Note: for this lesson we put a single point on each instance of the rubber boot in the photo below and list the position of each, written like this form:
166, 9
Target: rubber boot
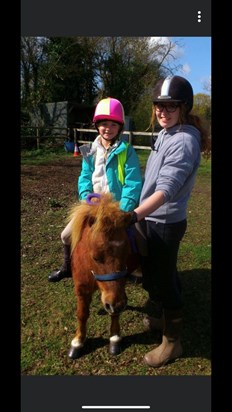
154, 320
65, 269
170, 347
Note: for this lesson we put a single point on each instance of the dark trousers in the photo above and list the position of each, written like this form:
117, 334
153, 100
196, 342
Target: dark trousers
159, 267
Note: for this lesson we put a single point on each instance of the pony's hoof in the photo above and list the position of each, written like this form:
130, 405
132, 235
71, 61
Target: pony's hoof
114, 349
74, 353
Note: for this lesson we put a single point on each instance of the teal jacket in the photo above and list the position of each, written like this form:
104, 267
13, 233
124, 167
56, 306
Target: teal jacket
128, 192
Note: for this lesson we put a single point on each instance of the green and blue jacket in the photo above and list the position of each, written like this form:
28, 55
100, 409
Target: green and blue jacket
120, 173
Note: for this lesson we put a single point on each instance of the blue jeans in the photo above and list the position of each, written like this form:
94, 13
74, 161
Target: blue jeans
159, 267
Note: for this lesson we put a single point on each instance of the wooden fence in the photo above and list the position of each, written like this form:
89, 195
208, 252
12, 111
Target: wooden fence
59, 134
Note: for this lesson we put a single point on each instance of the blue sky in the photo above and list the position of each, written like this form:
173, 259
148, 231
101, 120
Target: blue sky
193, 55
195, 58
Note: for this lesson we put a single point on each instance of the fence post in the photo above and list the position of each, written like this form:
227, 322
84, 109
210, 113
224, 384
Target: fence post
37, 137
130, 137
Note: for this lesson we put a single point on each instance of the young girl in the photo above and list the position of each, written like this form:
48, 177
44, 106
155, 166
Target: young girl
169, 178
109, 165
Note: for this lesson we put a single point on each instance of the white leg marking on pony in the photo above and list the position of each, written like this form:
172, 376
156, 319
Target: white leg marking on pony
76, 343
115, 338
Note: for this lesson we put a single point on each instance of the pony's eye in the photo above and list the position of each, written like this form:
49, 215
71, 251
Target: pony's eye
99, 258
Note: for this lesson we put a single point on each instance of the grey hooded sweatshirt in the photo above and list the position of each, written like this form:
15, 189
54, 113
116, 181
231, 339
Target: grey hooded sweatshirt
172, 168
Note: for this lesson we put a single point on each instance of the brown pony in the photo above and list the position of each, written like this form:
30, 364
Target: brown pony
100, 249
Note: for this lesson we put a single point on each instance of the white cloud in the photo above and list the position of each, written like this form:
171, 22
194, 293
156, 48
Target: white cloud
177, 49
185, 69
160, 40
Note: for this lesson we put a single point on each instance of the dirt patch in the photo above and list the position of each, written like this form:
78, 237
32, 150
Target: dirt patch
56, 180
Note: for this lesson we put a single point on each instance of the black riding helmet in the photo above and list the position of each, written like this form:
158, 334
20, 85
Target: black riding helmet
174, 89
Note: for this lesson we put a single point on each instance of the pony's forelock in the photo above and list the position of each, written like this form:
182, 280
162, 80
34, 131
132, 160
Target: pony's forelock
104, 213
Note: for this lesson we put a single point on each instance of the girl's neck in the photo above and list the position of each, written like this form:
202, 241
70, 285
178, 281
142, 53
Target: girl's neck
106, 143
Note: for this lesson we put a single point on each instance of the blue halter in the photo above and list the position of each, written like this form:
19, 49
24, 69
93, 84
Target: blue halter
110, 276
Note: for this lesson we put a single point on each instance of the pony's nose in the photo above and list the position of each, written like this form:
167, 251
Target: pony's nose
109, 308
114, 309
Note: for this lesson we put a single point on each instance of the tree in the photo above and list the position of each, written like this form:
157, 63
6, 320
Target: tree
123, 69
207, 85
202, 108
71, 69
85, 69
128, 67
32, 60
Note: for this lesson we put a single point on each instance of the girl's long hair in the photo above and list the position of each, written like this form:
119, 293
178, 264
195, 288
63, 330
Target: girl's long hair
193, 120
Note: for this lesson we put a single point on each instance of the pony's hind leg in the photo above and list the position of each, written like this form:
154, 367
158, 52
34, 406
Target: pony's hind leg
115, 338
77, 344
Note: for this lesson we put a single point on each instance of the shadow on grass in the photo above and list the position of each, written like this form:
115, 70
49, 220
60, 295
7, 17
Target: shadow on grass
197, 312
143, 338
196, 338
92, 344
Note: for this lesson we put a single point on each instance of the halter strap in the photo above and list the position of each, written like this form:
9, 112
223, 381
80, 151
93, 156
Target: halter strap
110, 276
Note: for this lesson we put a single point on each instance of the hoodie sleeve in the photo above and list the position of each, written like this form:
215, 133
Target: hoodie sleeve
181, 159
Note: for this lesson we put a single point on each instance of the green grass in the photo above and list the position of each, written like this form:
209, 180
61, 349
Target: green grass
48, 317
43, 156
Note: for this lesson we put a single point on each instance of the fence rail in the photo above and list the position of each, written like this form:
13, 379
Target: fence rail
78, 135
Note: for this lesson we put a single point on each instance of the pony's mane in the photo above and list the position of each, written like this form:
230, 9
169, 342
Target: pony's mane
104, 215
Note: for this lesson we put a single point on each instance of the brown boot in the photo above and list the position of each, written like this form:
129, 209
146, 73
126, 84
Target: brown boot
170, 347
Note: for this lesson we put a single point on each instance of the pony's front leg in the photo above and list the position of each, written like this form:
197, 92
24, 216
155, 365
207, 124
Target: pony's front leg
77, 344
115, 338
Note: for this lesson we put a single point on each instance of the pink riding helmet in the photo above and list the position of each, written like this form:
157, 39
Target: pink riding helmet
109, 109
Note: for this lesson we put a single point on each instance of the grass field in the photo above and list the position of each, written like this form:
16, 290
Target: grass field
48, 317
